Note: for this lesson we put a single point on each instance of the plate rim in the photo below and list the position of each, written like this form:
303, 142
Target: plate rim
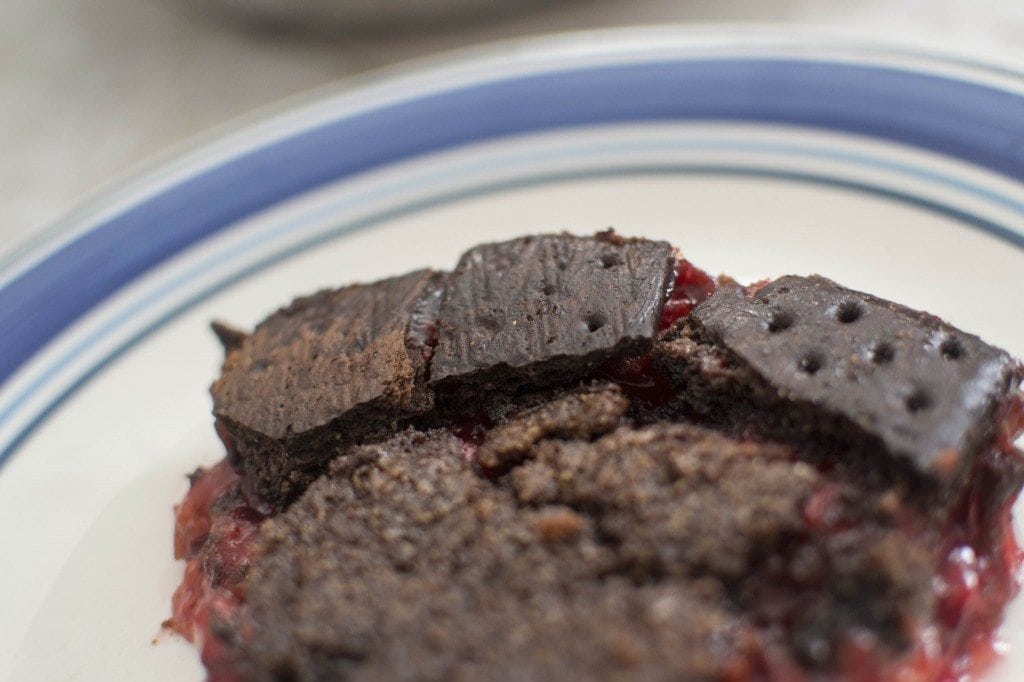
450, 73
256, 127
273, 120
251, 128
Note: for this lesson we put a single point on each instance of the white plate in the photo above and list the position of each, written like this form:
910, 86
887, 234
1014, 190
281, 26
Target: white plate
759, 154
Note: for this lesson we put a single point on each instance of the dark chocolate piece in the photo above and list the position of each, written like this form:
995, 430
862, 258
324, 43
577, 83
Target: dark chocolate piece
805, 358
538, 310
331, 369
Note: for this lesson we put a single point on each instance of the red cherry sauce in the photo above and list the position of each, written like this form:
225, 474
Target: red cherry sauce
215, 531
691, 286
979, 570
472, 431
979, 560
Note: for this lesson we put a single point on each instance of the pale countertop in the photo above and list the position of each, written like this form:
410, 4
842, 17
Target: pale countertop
94, 88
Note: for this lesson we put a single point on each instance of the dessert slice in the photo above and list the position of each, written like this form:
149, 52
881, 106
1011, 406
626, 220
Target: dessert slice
599, 467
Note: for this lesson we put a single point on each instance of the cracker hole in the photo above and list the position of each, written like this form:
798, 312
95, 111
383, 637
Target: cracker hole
883, 353
781, 321
849, 311
594, 322
610, 260
951, 349
810, 363
548, 289
918, 401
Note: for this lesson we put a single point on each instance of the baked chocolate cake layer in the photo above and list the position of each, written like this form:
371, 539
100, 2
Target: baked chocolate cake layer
650, 546
330, 369
405, 564
806, 359
542, 309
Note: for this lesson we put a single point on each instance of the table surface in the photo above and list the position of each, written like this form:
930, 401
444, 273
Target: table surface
96, 88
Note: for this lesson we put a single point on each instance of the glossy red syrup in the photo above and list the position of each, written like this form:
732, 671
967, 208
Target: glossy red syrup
979, 573
980, 569
690, 287
639, 380
472, 432
215, 532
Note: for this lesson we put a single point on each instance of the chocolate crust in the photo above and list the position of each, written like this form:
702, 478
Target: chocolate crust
403, 563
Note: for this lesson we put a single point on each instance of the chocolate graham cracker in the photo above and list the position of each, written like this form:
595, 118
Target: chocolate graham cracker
538, 310
807, 359
330, 369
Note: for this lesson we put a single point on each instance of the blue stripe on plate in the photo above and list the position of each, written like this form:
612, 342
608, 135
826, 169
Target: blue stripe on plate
967, 219
979, 124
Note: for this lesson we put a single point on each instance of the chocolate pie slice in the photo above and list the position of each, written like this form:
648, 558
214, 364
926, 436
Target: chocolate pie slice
584, 458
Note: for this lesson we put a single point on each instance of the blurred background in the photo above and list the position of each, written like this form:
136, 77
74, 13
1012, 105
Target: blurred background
91, 89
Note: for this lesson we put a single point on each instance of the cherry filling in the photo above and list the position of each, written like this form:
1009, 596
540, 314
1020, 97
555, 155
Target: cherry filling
636, 375
215, 532
472, 431
690, 287
978, 567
